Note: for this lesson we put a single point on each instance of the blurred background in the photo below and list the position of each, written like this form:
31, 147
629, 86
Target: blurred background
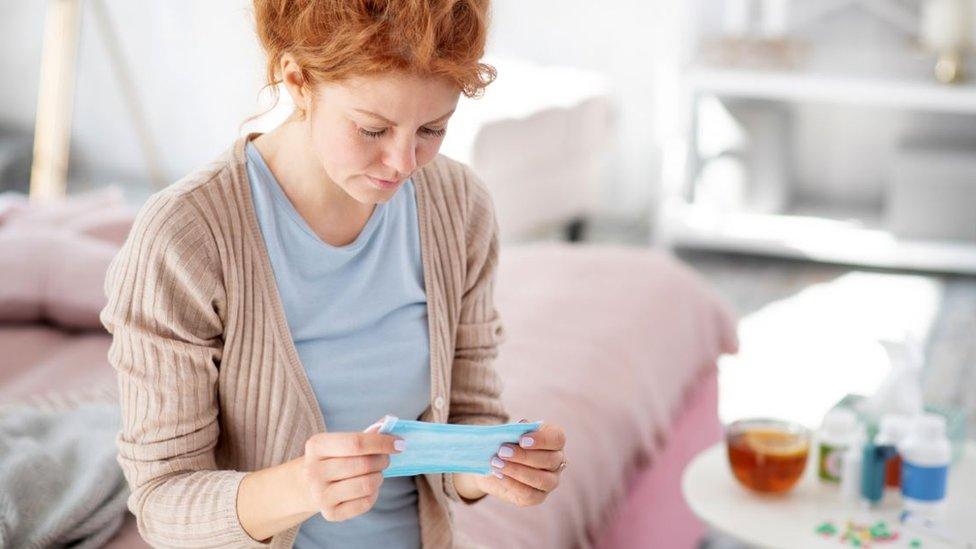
779, 129
813, 160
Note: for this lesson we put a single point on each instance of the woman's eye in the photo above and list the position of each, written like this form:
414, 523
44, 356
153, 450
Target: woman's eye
434, 133
372, 134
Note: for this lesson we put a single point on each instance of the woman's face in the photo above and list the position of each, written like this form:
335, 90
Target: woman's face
371, 133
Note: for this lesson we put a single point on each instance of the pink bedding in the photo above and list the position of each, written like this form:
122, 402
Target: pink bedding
654, 513
616, 345
53, 258
606, 342
39, 359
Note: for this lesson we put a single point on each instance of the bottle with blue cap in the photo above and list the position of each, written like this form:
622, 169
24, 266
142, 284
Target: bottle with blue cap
925, 454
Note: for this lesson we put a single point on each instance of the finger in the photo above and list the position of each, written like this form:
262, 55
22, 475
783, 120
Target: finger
544, 481
326, 445
540, 459
347, 467
547, 437
349, 509
509, 489
353, 488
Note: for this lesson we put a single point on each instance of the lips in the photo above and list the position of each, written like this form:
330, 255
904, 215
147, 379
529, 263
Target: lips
383, 183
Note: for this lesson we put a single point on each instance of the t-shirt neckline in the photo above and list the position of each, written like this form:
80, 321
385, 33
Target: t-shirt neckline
285, 203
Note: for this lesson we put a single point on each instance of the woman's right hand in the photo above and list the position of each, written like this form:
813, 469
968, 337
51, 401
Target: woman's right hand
344, 471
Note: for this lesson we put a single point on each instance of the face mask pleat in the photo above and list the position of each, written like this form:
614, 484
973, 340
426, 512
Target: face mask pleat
448, 447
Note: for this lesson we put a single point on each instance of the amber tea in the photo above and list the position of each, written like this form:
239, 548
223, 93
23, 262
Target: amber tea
767, 455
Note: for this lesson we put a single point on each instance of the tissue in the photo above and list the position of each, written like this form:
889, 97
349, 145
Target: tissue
901, 390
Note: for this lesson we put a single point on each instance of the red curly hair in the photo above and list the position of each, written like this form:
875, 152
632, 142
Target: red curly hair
336, 39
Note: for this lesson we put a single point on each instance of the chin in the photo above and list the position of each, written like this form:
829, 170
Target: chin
366, 194
375, 192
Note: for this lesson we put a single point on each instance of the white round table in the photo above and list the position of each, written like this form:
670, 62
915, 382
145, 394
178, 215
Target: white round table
790, 520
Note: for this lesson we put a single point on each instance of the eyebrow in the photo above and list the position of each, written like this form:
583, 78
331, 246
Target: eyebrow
390, 122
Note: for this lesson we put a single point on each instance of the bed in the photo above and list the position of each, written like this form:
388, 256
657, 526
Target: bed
617, 345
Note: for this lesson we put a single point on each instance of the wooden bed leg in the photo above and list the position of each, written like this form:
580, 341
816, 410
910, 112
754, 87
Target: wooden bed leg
52, 125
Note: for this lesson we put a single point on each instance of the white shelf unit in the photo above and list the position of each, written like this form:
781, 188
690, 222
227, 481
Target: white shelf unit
812, 86
820, 235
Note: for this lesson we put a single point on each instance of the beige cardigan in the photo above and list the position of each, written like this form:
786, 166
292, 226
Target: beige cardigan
210, 383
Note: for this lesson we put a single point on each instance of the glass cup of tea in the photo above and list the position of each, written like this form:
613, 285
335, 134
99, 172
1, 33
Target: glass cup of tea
767, 455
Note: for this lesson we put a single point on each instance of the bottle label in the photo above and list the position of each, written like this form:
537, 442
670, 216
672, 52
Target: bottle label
923, 483
830, 462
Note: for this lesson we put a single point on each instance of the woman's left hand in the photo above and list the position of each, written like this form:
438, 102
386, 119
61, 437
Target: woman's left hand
526, 473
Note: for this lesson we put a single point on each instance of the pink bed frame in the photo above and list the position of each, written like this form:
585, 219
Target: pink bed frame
655, 513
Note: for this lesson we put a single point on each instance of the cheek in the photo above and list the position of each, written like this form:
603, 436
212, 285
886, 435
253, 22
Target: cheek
342, 149
427, 149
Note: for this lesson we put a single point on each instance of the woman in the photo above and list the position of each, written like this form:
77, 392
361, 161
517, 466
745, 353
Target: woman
325, 273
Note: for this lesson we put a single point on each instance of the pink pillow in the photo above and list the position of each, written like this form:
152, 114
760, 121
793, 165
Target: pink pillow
18, 212
12, 204
53, 275
54, 255
111, 224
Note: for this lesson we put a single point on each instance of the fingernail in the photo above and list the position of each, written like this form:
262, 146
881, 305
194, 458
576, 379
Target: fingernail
400, 445
506, 452
497, 474
497, 462
525, 442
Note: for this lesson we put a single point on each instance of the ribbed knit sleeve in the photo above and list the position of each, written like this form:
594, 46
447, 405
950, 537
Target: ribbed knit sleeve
476, 387
165, 294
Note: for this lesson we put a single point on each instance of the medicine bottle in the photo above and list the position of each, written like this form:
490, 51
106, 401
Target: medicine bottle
925, 455
891, 431
836, 433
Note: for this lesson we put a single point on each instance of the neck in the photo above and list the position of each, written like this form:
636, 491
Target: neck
334, 215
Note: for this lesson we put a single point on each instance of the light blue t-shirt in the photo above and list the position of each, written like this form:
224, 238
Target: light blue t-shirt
358, 317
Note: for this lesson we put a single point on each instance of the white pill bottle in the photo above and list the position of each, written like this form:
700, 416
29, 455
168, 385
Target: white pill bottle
925, 455
838, 430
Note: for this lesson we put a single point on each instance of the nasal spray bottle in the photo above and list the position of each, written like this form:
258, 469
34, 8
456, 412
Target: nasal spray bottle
874, 460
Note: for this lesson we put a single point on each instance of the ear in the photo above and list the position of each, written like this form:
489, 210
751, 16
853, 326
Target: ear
291, 75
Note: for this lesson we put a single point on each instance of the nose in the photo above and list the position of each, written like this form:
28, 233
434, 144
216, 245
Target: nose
402, 157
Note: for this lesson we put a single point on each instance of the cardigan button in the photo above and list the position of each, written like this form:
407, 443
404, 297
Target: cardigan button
439, 403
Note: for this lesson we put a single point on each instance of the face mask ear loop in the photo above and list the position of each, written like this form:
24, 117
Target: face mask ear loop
388, 422
382, 425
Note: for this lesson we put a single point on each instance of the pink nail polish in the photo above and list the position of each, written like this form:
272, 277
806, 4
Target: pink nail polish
506, 452
497, 474
525, 442
497, 462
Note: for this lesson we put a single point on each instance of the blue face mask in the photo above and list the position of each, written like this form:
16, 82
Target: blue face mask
448, 448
